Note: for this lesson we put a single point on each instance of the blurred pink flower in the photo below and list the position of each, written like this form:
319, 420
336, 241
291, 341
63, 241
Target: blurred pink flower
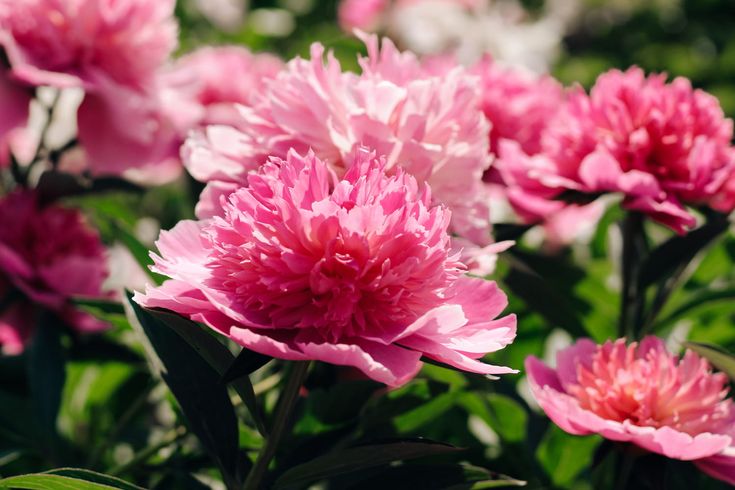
661, 145
15, 100
355, 272
214, 79
75, 43
361, 14
47, 256
643, 394
518, 103
429, 125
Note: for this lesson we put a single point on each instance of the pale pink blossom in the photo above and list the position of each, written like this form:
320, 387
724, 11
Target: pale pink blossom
662, 145
214, 79
429, 125
354, 270
48, 254
643, 394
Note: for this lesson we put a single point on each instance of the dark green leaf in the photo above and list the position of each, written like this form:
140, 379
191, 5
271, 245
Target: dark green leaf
47, 373
105, 306
509, 231
359, 458
679, 251
721, 359
195, 384
544, 297
435, 476
216, 354
246, 362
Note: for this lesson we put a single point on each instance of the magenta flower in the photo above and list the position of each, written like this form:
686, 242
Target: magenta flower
75, 43
47, 256
430, 125
663, 146
643, 394
356, 272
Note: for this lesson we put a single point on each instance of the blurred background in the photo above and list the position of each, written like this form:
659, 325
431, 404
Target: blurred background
573, 39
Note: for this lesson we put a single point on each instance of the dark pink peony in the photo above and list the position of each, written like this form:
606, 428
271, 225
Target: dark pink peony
643, 394
354, 271
75, 43
662, 145
47, 255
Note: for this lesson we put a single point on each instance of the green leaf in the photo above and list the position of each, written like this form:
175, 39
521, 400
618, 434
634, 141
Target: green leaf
47, 373
678, 251
47, 481
359, 458
216, 354
452, 476
504, 415
425, 413
94, 477
196, 386
720, 358
564, 456
247, 362
530, 279
140, 252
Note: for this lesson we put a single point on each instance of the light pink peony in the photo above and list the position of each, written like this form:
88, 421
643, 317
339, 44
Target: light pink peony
215, 79
428, 124
663, 146
65, 43
355, 272
643, 394
47, 255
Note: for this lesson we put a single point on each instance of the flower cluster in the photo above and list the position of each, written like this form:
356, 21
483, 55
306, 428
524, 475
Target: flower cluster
48, 255
643, 394
354, 270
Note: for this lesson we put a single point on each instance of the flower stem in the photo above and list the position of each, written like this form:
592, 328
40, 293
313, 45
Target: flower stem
284, 408
634, 251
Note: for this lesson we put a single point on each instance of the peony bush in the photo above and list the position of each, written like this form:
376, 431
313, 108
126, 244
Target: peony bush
363, 244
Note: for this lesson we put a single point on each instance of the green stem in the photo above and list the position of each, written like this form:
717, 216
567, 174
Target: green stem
284, 408
625, 469
634, 250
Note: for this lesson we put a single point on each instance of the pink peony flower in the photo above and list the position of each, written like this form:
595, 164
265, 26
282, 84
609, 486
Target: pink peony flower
75, 43
518, 103
355, 272
215, 79
661, 145
361, 14
47, 255
643, 394
430, 125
